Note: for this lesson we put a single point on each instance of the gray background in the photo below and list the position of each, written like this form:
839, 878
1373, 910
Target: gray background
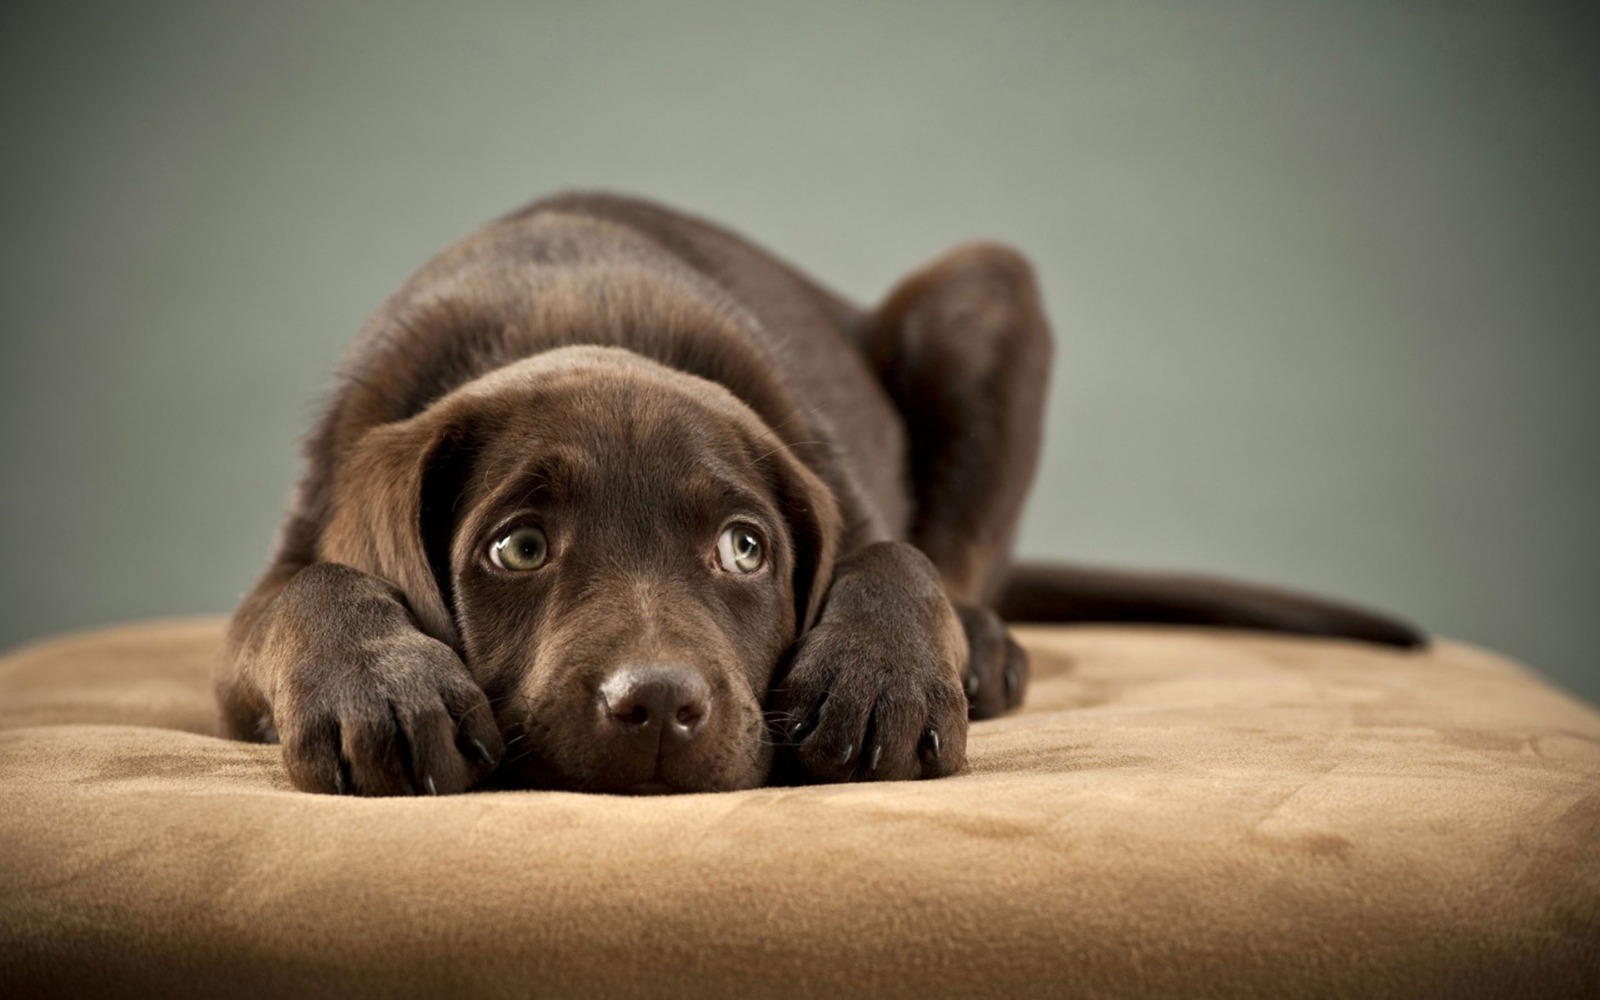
1324, 276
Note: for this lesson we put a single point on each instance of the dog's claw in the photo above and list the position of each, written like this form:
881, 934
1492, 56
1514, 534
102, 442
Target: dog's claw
338, 781
930, 745
872, 760
428, 780
483, 753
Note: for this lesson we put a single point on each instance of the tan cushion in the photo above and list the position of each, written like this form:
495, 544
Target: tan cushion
1175, 812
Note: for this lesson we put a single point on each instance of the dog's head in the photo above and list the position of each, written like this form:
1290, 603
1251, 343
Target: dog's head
623, 554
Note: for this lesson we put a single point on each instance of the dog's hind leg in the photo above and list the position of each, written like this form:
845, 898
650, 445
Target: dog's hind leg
963, 348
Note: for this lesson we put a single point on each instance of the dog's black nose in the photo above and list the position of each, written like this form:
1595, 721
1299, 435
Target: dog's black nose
657, 704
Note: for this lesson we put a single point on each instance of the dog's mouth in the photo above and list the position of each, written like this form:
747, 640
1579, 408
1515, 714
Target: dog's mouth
662, 781
655, 786
533, 766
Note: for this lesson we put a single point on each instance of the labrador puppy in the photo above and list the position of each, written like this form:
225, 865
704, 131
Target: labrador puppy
608, 499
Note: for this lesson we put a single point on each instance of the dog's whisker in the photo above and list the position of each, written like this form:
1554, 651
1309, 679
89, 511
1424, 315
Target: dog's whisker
788, 445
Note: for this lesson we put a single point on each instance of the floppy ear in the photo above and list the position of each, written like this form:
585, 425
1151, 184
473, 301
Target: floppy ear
393, 510
808, 506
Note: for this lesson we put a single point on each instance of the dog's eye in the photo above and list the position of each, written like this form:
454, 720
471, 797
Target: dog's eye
739, 550
520, 549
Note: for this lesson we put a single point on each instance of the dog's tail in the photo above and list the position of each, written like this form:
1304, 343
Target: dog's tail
1038, 593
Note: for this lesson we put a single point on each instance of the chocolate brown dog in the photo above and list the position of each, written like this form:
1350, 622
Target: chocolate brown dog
609, 499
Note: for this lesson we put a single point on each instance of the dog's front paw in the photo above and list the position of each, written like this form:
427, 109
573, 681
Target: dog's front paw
874, 691
997, 667
396, 715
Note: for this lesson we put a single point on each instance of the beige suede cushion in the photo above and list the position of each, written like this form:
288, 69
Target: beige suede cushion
1175, 812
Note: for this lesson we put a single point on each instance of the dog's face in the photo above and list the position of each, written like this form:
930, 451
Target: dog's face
623, 553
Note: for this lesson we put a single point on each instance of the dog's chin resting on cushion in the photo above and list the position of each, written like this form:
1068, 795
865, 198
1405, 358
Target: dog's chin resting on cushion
608, 499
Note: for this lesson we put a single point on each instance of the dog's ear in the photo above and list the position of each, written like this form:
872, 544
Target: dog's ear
814, 525
394, 509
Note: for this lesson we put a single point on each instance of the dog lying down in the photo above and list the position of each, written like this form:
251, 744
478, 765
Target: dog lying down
608, 499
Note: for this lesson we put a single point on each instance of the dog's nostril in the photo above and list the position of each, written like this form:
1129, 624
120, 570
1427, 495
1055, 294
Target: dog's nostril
657, 702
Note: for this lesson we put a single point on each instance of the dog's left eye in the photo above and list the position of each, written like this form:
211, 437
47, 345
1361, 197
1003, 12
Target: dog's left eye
739, 550
520, 549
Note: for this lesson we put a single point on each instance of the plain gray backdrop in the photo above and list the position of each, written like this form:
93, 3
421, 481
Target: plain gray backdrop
1325, 277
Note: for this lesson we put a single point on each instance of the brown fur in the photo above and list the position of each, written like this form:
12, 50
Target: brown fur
633, 382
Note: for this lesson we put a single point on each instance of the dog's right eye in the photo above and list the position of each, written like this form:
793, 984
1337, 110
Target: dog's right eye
520, 549
739, 550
